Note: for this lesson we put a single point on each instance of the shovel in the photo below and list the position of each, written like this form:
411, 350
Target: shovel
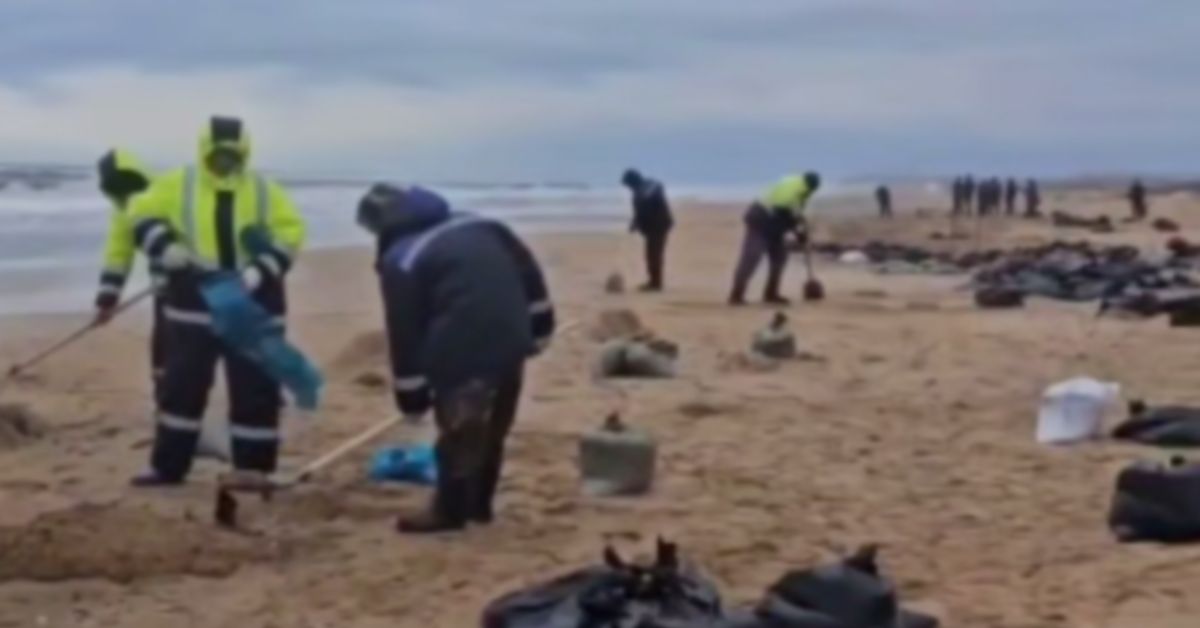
18, 369
814, 290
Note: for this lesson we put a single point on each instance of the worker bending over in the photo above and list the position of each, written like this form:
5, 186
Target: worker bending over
651, 218
466, 305
121, 178
196, 221
768, 221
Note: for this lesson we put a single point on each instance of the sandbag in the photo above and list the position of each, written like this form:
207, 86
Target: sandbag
617, 594
1156, 502
653, 358
1164, 426
775, 341
850, 593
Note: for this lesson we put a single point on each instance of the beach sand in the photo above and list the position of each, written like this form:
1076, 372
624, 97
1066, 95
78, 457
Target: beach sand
913, 430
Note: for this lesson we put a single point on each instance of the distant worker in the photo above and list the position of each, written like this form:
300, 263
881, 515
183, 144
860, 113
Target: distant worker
121, 178
768, 222
198, 220
956, 196
466, 305
1137, 200
968, 193
1033, 199
883, 196
1010, 197
652, 218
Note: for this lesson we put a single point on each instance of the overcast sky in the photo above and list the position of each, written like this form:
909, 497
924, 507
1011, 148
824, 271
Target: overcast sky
696, 90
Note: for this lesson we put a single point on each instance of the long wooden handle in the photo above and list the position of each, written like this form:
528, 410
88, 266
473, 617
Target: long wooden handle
76, 335
350, 445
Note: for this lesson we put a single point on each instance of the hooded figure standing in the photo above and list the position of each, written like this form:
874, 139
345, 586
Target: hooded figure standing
466, 305
768, 221
123, 177
1137, 200
198, 220
883, 196
652, 218
1033, 199
1010, 197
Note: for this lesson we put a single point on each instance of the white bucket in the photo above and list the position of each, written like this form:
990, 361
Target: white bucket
1073, 410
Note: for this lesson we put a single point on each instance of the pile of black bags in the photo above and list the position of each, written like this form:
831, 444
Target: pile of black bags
669, 593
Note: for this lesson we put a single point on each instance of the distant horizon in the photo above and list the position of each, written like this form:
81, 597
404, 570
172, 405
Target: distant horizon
334, 177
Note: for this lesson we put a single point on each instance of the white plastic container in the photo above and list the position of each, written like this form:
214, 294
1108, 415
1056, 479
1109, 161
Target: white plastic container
1073, 411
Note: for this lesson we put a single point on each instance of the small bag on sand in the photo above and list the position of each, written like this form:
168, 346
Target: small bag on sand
638, 358
1156, 502
617, 460
776, 340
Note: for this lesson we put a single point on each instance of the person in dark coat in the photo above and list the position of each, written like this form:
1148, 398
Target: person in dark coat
466, 305
652, 218
1010, 197
883, 196
956, 196
1137, 200
968, 193
1033, 199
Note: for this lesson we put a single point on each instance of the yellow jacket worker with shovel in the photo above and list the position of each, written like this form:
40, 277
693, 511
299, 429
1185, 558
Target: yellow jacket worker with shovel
768, 220
198, 219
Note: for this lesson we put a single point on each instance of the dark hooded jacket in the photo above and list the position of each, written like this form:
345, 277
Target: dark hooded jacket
651, 211
464, 297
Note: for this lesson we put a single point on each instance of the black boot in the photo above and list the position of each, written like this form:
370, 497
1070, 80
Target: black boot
153, 479
448, 513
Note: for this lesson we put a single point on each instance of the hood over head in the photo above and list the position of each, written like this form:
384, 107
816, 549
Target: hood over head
224, 133
389, 209
121, 175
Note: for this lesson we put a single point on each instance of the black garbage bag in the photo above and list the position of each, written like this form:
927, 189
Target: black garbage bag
995, 297
666, 594
850, 593
1164, 426
1156, 502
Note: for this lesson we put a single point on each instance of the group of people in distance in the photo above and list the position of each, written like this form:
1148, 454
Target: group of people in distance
993, 196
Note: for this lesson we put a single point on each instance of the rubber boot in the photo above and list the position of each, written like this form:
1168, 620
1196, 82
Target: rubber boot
448, 512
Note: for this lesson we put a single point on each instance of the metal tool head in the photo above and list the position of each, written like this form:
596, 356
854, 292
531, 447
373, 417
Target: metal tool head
248, 482
814, 290
225, 509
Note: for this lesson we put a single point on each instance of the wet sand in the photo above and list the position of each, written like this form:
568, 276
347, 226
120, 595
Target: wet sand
915, 431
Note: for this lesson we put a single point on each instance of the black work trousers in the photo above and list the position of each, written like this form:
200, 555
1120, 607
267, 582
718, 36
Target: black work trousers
158, 349
656, 254
756, 244
473, 420
254, 400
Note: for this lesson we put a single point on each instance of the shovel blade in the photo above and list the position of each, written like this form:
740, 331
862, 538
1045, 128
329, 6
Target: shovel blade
247, 482
813, 290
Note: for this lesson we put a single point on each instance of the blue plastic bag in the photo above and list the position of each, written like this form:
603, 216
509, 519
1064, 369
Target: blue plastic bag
246, 327
415, 464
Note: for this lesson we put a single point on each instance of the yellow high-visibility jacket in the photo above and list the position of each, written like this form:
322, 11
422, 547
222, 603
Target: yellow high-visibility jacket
210, 215
790, 194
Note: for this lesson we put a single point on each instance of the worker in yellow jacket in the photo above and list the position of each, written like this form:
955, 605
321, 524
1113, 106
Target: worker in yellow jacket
123, 177
768, 222
193, 221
